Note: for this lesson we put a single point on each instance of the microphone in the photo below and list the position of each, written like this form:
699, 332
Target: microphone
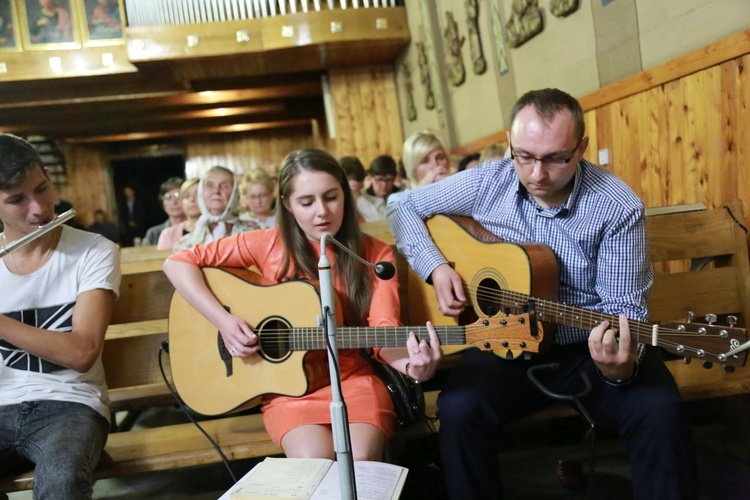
383, 269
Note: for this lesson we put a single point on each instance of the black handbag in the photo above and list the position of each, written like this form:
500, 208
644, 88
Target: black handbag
407, 394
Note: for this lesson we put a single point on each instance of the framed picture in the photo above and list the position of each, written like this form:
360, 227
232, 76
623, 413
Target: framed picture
49, 24
8, 27
103, 22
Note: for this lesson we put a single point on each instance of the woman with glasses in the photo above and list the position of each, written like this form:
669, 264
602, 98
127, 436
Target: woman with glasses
188, 195
169, 195
256, 198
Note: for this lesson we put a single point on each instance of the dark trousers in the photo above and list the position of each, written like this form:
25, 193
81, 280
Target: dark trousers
485, 392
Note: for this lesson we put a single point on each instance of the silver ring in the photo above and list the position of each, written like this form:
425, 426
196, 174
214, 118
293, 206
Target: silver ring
234, 350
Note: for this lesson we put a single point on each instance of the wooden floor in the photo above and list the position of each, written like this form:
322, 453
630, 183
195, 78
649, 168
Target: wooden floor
528, 464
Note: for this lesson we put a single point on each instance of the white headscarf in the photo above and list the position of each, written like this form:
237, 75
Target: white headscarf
202, 232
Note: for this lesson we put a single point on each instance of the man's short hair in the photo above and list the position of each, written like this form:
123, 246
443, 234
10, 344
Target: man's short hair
169, 185
549, 102
383, 165
17, 158
353, 168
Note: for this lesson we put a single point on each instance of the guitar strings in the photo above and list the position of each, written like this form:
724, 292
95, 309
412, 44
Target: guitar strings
517, 301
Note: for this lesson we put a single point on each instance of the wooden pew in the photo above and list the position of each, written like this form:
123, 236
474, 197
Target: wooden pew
715, 238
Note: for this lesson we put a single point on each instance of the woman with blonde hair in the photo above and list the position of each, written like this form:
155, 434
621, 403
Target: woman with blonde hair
256, 197
425, 159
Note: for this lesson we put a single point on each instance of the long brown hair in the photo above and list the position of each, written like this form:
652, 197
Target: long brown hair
299, 252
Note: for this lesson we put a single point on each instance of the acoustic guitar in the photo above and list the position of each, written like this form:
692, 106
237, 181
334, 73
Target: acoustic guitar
505, 278
284, 316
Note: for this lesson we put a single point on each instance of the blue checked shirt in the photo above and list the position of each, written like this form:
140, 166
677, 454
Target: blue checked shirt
598, 236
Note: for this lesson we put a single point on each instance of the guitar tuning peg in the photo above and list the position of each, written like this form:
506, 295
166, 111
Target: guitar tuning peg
728, 369
687, 360
690, 316
710, 319
707, 365
732, 320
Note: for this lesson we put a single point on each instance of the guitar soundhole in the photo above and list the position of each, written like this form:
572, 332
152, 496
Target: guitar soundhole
275, 344
488, 297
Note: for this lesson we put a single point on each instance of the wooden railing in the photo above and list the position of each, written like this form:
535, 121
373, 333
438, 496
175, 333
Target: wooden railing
170, 12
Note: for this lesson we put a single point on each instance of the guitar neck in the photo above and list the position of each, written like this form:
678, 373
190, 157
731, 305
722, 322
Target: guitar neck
355, 337
561, 314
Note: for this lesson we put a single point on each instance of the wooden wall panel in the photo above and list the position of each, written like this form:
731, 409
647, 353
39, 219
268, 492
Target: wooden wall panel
677, 133
245, 151
683, 141
366, 113
89, 184
742, 131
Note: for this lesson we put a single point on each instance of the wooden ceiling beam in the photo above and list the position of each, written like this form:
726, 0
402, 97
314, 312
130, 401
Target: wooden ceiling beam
138, 136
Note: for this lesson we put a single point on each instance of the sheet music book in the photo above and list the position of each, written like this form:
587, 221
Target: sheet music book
316, 479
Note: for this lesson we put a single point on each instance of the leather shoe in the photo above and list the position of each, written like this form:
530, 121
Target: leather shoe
570, 474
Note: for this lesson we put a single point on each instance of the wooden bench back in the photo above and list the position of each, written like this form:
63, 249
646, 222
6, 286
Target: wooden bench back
138, 327
701, 265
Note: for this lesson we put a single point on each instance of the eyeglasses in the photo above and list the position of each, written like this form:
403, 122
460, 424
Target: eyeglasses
384, 180
259, 196
171, 196
553, 162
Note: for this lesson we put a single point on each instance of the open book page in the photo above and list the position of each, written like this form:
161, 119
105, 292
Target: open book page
282, 478
375, 481
317, 479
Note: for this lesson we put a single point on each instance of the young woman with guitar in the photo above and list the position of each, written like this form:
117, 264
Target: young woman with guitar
314, 198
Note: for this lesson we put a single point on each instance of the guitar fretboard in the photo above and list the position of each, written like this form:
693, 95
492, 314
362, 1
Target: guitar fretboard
314, 338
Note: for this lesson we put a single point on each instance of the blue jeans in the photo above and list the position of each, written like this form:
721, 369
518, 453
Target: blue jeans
64, 440
485, 392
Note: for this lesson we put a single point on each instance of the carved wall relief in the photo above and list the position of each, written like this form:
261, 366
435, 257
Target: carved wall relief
411, 110
454, 60
424, 74
563, 8
479, 65
524, 23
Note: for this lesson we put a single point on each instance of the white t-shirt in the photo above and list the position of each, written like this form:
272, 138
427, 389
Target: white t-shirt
46, 299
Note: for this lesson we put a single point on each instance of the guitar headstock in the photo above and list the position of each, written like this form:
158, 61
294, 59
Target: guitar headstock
509, 336
704, 342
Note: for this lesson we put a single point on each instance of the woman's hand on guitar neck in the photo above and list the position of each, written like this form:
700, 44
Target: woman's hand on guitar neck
449, 290
614, 357
238, 337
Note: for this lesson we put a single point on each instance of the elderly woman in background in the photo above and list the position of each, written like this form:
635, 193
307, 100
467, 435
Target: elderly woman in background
256, 196
169, 195
189, 200
218, 201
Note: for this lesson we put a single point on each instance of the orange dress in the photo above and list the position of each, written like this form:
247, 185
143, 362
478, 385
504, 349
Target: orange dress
367, 399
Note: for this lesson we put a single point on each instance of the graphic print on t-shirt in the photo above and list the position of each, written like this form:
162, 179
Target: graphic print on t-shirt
58, 318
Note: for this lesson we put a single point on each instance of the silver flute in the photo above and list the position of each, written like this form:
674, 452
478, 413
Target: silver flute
43, 229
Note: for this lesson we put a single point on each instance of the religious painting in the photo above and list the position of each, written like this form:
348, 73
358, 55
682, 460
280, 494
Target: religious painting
48, 24
104, 22
8, 23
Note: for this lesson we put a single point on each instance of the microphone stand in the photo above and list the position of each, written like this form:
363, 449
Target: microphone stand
339, 420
